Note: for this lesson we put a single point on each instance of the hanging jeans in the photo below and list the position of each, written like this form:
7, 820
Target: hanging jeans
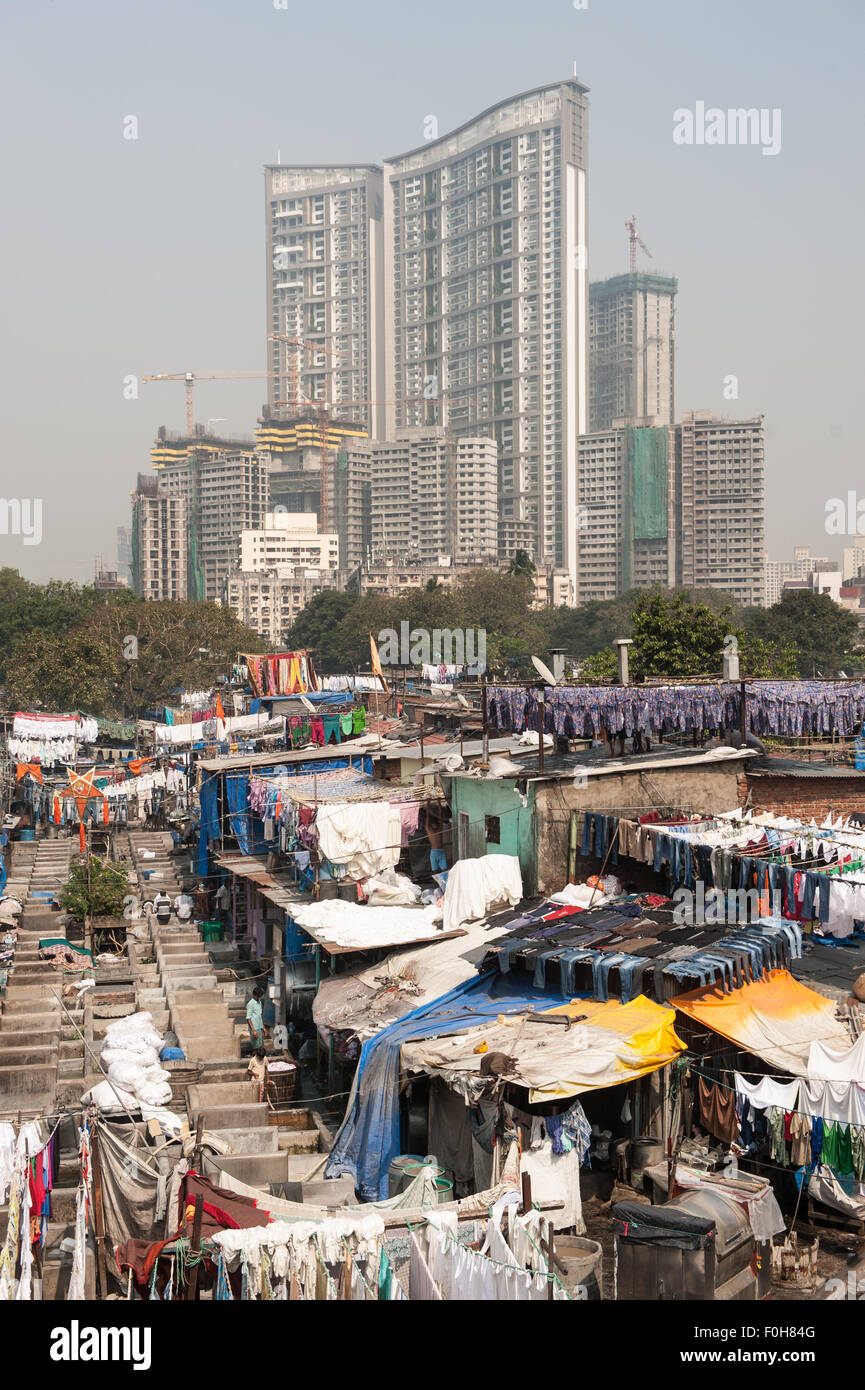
567, 961
809, 893
601, 967
631, 975
694, 969
510, 949
723, 964
755, 953
824, 888
539, 978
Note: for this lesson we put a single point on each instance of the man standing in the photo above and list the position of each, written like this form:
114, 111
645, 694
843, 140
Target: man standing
202, 903
254, 1021
435, 830
183, 907
223, 898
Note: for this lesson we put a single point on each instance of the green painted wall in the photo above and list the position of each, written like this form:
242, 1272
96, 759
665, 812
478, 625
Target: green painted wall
480, 798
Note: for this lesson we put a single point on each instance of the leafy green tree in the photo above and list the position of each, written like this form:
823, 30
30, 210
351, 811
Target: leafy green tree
95, 890
601, 668
767, 660
522, 565
498, 603
827, 636
48, 609
678, 638
128, 657
315, 628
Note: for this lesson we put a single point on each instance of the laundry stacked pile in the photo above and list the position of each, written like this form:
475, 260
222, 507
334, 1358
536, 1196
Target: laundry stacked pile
136, 1081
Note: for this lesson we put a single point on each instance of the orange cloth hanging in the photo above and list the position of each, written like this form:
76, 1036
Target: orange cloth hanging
57, 815
295, 679
220, 712
82, 838
105, 810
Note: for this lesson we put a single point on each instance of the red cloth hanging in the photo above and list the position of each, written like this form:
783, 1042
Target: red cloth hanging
82, 838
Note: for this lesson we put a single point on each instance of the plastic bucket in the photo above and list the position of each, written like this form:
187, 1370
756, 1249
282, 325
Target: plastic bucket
444, 1190
643, 1152
583, 1261
396, 1173
28, 835
211, 931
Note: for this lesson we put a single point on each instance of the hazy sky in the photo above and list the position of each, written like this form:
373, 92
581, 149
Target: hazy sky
138, 256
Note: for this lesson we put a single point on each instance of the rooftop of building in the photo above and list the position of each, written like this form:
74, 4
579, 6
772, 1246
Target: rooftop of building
800, 767
596, 762
635, 279
490, 111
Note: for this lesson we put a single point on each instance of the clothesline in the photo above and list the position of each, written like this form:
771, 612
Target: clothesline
707, 1076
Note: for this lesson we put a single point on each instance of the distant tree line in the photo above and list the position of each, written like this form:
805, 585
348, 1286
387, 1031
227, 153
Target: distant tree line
68, 646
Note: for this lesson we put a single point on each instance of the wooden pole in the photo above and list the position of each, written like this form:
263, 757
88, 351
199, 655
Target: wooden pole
551, 1258
195, 1249
98, 1211
743, 713
527, 1192
196, 1152
485, 755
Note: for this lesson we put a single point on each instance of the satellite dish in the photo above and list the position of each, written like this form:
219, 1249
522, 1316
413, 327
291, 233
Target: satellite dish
462, 701
307, 704
544, 671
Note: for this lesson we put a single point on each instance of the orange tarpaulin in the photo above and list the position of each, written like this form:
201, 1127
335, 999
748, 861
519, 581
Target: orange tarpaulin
608, 1044
776, 1018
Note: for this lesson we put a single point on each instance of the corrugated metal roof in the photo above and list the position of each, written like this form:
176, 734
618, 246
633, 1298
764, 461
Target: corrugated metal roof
800, 767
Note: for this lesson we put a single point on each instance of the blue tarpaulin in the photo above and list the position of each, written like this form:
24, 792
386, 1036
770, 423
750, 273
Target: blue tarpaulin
237, 790
368, 1139
209, 829
315, 697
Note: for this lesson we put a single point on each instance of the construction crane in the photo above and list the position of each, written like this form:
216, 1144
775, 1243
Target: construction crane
190, 378
295, 400
636, 241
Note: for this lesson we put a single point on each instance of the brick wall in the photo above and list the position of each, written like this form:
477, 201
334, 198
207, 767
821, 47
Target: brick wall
804, 796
